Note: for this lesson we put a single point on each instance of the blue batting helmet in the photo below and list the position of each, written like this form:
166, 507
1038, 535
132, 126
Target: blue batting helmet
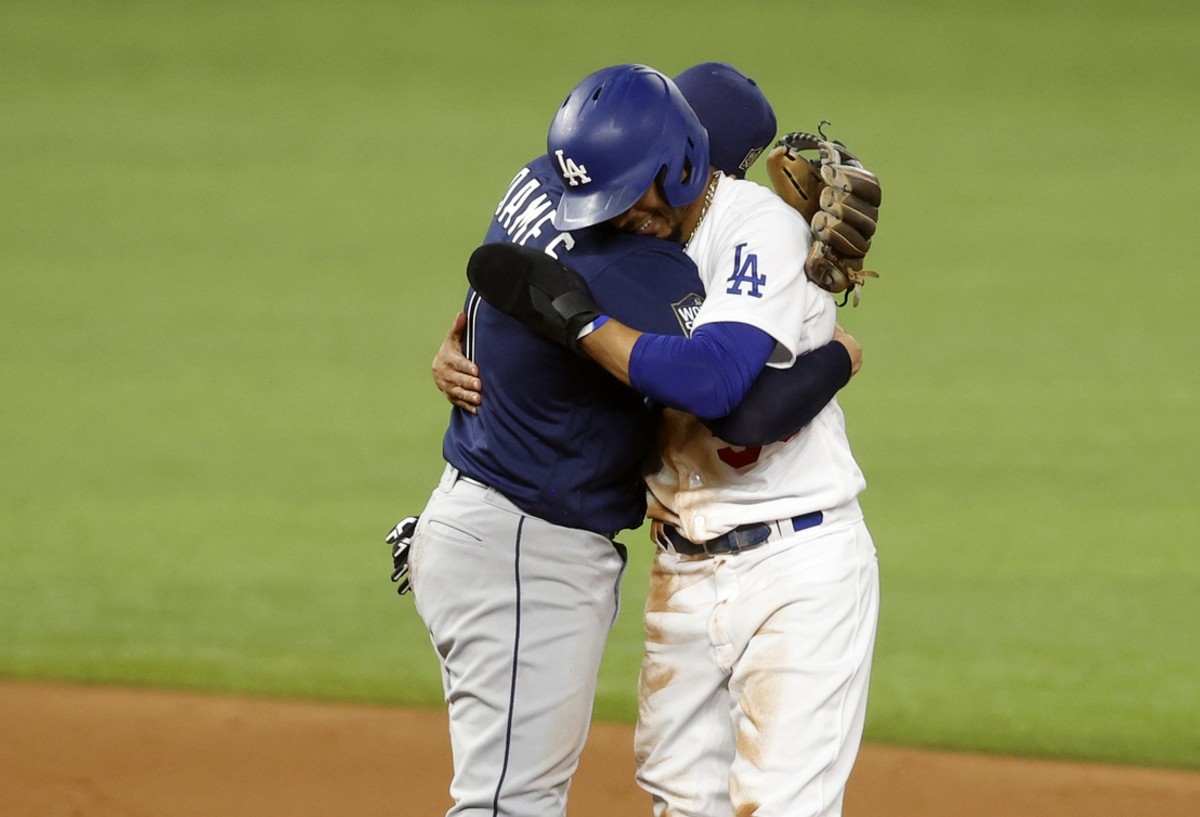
739, 119
615, 132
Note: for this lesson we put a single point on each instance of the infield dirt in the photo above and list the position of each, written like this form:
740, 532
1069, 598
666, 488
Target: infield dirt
103, 752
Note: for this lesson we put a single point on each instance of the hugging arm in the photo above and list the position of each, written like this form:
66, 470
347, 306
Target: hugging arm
455, 375
778, 404
783, 401
707, 375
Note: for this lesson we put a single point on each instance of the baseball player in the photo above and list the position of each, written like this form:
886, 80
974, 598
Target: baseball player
763, 602
513, 562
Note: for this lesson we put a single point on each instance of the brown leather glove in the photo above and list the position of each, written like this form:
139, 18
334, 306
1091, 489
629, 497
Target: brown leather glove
840, 200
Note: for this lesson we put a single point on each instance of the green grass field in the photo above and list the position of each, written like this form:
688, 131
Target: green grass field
232, 235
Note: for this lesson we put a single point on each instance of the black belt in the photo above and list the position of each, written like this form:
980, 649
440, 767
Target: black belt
743, 537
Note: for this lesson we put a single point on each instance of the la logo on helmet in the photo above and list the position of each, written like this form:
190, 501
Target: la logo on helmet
573, 173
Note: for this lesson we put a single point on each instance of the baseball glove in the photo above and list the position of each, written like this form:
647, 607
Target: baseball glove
838, 197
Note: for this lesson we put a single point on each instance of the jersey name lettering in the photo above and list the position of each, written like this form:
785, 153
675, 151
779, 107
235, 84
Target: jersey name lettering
564, 240
525, 210
511, 187
514, 203
574, 174
745, 272
528, 223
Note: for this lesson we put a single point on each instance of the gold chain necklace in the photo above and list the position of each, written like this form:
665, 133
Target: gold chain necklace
708, 197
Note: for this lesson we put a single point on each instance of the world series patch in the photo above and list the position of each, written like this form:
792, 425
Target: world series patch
686, 310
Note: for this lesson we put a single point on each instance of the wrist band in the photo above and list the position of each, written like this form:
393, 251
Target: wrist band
592, 327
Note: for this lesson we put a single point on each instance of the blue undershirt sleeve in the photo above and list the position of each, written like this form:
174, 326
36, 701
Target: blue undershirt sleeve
707, 374
783, 401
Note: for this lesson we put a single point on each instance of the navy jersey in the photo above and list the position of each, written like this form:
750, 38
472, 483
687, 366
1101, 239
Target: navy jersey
556, 434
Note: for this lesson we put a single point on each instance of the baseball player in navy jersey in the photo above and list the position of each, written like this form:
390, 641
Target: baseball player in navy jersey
763, 602
513, 564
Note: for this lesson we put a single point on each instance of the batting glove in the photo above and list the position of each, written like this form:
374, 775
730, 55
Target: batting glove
400, 538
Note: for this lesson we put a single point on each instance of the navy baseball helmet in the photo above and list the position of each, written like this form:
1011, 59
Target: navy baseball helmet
617, 130
731, 106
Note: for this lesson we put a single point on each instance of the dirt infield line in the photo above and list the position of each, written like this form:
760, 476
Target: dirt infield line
103, 752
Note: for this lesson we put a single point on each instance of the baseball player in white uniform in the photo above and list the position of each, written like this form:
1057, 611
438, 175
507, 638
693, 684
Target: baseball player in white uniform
763, 602
753, 688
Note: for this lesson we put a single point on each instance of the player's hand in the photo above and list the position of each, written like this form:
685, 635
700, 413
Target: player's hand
454, 375
846, 339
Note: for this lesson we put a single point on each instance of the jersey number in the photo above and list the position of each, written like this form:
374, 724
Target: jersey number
739, 459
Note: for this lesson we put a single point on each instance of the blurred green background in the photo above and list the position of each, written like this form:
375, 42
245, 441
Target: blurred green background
232, 235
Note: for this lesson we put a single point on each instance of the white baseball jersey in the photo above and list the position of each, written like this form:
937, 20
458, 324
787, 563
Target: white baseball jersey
750, 248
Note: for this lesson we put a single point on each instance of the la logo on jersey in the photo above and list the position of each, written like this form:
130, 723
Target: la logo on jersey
574, 174
745, 273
